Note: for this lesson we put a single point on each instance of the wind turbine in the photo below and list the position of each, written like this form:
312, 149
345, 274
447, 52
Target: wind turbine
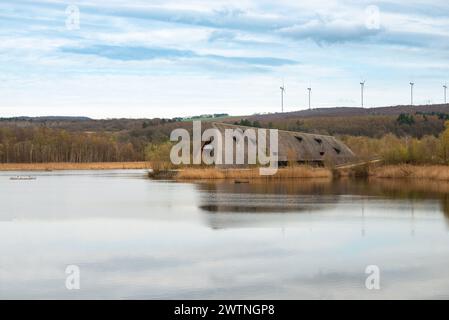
310, 91
362, 87
411, 92
445, 89
282, 96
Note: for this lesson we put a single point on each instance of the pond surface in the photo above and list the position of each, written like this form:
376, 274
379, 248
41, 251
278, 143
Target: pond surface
134, 238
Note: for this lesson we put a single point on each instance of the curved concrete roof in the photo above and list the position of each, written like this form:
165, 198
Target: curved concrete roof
305, 147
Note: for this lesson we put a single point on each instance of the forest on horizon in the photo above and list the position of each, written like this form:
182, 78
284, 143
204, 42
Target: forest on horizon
80, 139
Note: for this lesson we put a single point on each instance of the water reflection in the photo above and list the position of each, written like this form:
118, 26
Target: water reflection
280, 198
137, 238
393, 189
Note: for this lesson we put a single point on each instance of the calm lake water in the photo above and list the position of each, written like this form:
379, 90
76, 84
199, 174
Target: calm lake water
134, 238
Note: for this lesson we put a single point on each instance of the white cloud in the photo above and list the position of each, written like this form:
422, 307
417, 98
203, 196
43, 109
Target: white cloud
328, 39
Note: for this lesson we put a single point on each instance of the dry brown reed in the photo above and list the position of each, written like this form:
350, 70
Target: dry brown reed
433, 172
73, 166
253, 173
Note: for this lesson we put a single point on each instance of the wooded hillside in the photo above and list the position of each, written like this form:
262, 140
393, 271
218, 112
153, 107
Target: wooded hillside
80, 139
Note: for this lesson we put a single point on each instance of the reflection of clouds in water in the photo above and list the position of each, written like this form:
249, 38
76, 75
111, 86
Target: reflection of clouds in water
90, 195
153, 241
149, 260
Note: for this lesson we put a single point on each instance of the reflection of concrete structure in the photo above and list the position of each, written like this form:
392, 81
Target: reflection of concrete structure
301, 147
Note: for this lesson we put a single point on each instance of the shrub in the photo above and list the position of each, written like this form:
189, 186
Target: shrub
159, 155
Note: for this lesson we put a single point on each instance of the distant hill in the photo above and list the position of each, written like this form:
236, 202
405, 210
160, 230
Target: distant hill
351, 112
314, 113
46, 118
372, 122
415, 121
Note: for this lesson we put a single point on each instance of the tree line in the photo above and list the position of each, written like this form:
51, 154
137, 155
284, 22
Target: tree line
375, 126
414, 137
392, 149
41, 144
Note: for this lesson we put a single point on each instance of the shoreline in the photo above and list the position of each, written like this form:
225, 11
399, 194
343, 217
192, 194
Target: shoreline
384, 172
410, 172
394, 172
242, 175
58, 166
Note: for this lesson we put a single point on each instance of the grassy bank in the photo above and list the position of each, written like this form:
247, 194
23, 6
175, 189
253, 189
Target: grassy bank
431, 172
400, 171
248, 174
416, 172
72, 166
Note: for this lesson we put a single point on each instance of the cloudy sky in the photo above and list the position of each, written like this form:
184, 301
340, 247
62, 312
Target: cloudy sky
176, 58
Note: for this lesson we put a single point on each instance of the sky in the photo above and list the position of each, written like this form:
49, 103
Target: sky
146, 59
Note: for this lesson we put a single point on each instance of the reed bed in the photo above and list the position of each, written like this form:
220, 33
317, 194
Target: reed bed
433, 172
253, 173
73, 166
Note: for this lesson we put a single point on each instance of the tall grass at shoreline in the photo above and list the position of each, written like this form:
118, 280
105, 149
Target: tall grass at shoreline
73, 166
253, 173
411, 172
402, 171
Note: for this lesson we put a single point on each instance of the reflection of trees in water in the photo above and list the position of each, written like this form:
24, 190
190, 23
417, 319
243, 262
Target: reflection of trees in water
388, 188
445, 207
416, 189
303, 195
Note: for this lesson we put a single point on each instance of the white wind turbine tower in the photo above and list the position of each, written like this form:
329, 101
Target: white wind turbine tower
445, 89
362, 87
282, 96
412, 84
310, 92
